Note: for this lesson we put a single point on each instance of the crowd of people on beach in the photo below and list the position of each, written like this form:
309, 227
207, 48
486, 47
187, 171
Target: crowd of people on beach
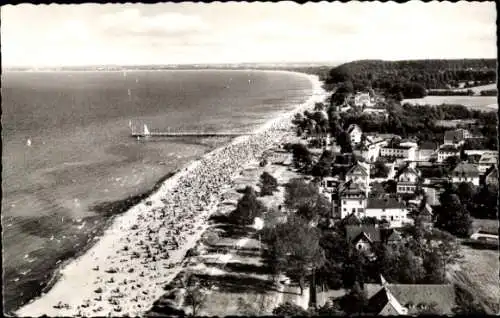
152, 244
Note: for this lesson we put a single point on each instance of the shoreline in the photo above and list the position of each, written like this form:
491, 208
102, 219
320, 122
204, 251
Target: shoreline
161, 189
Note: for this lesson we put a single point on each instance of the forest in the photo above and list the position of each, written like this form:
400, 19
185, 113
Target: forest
412, 78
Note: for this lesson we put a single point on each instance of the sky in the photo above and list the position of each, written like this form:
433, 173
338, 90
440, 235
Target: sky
199, 33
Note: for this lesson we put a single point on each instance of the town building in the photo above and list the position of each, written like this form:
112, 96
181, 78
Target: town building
456, 137
426, 150
355, 133
371, 148
363, 238
387, 299
363, 100
388, 209
350, 199
446, 151
465, 172
486, 161
407, 180
491, 176
397, 151
360, 174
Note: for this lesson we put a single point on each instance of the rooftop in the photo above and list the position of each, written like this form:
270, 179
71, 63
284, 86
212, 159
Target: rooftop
441, 294
448, 148
428, 146
354, 231
384, 203
466, 169
358, 169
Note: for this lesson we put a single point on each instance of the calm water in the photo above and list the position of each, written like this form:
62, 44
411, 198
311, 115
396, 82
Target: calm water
81, 153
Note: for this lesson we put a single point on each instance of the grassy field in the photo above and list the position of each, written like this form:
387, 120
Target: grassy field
478, 273
487, 103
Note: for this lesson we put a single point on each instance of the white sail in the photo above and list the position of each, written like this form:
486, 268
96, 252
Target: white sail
146, 131
28, 142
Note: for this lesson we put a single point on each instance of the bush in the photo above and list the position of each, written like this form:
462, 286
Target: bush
268, 184
288, 309
247, 209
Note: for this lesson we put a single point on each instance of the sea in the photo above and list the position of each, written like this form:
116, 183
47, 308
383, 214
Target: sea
69, 162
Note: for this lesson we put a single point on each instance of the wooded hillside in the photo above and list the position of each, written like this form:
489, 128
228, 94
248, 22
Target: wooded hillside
431, 74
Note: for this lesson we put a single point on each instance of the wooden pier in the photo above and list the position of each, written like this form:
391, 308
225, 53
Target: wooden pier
187, 134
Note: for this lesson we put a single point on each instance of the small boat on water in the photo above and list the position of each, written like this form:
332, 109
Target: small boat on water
28, 142
146, 131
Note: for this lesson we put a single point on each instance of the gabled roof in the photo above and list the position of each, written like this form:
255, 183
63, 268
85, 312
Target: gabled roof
406, 169
487, 159
384, 203
441, 294
384, 303
465, 169
390, 235
357, 169
355, 232
352, 127
448, 148
350, 187
492, 172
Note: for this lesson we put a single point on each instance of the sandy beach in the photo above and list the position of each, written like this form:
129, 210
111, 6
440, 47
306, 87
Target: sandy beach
125, 271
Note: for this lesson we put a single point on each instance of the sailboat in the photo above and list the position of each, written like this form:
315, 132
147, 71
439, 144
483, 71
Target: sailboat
146, 130
28, 142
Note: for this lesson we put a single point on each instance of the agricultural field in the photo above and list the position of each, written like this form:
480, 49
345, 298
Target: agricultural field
487, 103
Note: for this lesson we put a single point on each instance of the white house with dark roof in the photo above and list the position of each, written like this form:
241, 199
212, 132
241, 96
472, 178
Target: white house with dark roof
426, 151
350, 199
486, 161
465, 172
457, 136
399, 151
359, 174
388, 209
355, 133
407, 180
446, 151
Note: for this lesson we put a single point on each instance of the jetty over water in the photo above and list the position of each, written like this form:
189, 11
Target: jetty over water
147, 133
188, 134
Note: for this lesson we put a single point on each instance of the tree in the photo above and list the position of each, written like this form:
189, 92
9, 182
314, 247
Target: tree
324, 166
268, 184
247, 208
288, 309
452, 162
380, 170
432, 264
295, 249
485, 202
344, 141
353, 270
452, 216
305, 198
302, 158
355, 301
410, 270
195, 295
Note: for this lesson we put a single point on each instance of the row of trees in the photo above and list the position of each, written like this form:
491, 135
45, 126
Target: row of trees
431, 74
